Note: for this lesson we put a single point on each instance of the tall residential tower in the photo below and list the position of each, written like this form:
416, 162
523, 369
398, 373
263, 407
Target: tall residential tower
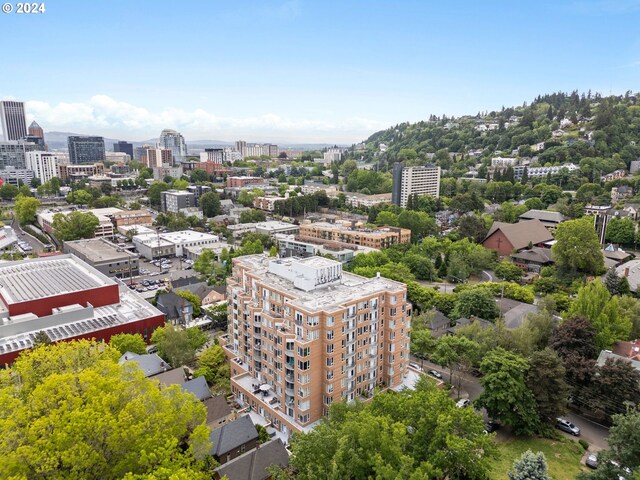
422, 180
13, 119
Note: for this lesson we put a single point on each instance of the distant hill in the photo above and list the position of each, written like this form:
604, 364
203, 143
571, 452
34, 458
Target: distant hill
600, 134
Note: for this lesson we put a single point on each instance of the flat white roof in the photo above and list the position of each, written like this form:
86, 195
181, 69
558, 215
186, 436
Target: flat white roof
103, 214
188, 236
275, 225
27, 280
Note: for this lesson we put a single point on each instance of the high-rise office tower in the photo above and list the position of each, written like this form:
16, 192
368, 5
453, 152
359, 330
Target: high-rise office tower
14, 124
124, 147
303, 334
422, 180
174, 141
86, 149
36, 135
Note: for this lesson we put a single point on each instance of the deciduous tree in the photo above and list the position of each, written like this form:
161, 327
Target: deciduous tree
25, 209
577, 248
74, 225
128, 342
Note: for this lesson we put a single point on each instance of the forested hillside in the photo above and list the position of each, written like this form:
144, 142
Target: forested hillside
599, 134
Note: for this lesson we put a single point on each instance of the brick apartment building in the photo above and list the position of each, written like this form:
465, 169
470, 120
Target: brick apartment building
381, 237
304, 334
244, 181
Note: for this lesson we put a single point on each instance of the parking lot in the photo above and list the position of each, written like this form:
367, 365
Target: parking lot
153, 274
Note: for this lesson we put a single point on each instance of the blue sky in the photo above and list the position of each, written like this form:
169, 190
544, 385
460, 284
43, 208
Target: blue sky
305, 71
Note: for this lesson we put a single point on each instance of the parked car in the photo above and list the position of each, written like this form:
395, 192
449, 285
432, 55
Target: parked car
592, 461
435, 373
415, 366
463, 402
566, 426
491, 426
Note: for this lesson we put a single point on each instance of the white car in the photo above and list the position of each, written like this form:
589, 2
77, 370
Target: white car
463, 402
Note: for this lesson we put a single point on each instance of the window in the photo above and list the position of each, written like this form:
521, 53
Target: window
330, 348
329, 321
313, 321
330, 335
304, 351
330, 362
303, 365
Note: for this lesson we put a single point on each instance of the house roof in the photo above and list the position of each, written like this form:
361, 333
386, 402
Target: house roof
631, 270
535, 254
231, 435
150, 363
253, 465
217, 408
175, 376
543, 215
522, 233
439, 321
171, 304
628, 349
463, 322
514, 312
198, 386
180, 283
608, 354
201, 289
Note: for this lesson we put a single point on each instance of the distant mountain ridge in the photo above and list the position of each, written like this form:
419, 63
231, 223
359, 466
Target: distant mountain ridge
58, 141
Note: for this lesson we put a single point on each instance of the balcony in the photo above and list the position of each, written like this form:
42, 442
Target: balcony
257, 347
289, 392
289, 377
289, 366
257, 336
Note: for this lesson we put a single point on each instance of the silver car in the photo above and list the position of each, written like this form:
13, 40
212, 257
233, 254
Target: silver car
566, 426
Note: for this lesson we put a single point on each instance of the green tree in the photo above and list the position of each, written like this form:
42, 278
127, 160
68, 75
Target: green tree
612, 281
472, 227
252, 216
198, 175
458, 353
180, 184
420, 224
129, 342
204, 264
615, 385
70, 411
79, 197
546, 379
530, 466
422, 343
174, 345
505, 393
8, 191
210, 204
74, 225
577, 249
154, 191
387, 218
478, 302
603, 311
193, 299
507, 271
212, 365
26, 208
621, 230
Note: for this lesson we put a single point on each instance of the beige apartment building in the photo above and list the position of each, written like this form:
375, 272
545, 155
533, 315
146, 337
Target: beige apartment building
381, 237
304, 334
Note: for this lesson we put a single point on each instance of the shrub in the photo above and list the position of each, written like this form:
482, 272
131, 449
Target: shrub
583, 443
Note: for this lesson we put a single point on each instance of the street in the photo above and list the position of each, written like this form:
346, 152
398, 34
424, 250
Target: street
470, 388
34, 242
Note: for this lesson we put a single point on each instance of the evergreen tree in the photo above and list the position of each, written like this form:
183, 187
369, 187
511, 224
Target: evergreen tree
612, 281
530, 466
525, 176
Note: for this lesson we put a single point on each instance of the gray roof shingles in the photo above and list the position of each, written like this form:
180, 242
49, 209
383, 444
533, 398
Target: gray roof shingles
232, 435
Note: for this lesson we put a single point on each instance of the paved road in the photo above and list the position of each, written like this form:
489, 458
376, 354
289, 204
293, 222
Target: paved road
469, 387
34, 242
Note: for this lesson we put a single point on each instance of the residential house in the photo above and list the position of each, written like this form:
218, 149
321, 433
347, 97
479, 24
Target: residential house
438, 323
631, 271
506, 238
233, 439
620, 193
558, 133
463, 322
198, 386
615, 256
175, 376
533, 259
175, 308
151, 364
514, 313
218, 411
548, 218
613, 175
253, 465
609, 355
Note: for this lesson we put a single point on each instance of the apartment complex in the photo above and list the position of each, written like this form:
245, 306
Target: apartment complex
244, 181
44, 165
304, 334
424, 180
175, 200
346, 232
67, 171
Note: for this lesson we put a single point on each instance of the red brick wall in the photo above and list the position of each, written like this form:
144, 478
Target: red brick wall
498, 242
98, 297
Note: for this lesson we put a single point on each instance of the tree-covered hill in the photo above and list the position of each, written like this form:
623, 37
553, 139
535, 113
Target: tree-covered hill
553, 129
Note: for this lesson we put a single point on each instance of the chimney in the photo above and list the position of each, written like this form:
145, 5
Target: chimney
626, 271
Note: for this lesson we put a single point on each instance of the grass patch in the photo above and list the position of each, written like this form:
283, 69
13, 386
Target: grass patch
563, 456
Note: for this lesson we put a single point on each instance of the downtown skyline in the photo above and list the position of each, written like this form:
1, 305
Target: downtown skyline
303, 72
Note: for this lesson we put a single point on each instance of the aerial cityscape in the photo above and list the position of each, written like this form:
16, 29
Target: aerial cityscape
294, 240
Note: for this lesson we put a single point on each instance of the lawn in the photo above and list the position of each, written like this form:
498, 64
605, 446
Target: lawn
563, 456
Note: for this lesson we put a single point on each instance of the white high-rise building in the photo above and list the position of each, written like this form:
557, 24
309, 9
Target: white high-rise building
43, 164
174, 141
422, 180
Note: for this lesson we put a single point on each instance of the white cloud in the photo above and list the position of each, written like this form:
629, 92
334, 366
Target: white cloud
105, 115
